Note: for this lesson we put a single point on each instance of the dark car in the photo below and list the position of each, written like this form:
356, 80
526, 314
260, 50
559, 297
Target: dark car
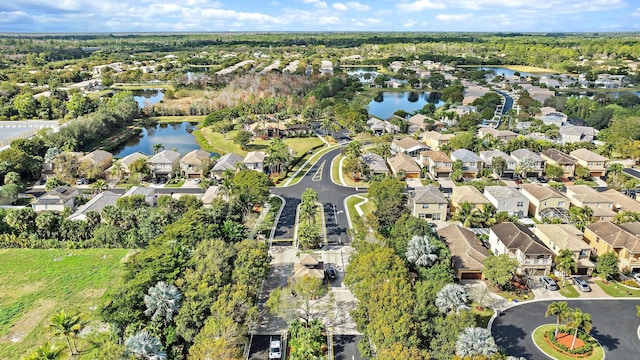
331, 273
581, 284
542, 180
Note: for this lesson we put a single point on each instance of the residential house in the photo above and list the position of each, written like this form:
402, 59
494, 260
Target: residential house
518, 242
471, 162
308, 265
428, 203
470, 194
507, 199
409, 146
538, 162
488, 156
572, 133
225, 162
584, 195
209, 196
149, 194
126, 161
267, 129
597, 164
375, 163
379, 127
418, 120
436, 140
621, 239
545, 201
98, 158
97, 203
255, 160
551, 116
502, 135
164, 163
467, 251
558, 158
559, 237
56, 199
402, 163
621, 202
438, 164
195, 164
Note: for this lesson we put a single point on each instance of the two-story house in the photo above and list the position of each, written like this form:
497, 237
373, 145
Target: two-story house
537, 163
56, 199
621, 239
545, 202
558, 158
559, 237
584, 195
428, 203
572, 133
507, 199
469, 194
379, 127
226, 162
409, 146
254, 160
435, 140
98, 158
164, 163
438, 164
518, 242
597, 164
195, 164
402, 163
375, 163
467, 251
621, 202
502, 135
488, 156
471, 162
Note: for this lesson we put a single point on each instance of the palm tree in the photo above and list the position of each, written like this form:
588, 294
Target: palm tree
475, 341
420, 252
565, 262
163, 301
581, 216
144, 346
45, 352
561, 309
452, 297
157, 148
67, 326
226, 188
99, 186
579, 320
487, 215
117, 169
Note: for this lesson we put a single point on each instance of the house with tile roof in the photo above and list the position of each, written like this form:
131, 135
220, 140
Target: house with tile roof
97, 203
428, 203
545, 201
621, 202
572, 133
438, 164
559, 237
226, 162
195, 164
558, 158
466, 193
502, 135
56, 199
401, 163
597, 164
467, 251
518, 242
376, 164
130, 159
471, 162
308, 265
434, 140
584, 195
254, 160
488, 156
409, 146
538, 162
507, 199
621, 239
98, 158
164, 163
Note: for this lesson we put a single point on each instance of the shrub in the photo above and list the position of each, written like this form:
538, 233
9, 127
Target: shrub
631, 283
586, 349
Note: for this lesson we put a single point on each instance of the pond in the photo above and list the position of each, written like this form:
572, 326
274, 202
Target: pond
364, 74
150, 96
507, 72
172, 136
389, 102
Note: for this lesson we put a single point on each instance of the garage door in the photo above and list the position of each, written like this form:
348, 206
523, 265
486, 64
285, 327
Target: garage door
471, 276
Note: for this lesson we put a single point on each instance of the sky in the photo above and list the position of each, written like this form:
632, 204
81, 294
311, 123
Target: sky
319, 15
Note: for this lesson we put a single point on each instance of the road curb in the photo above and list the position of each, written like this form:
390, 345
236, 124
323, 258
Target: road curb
276, 220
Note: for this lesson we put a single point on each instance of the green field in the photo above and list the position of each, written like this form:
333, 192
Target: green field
616, 290
37, 283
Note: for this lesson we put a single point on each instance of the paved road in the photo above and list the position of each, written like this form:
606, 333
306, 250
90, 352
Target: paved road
37, 192
260, 347
329, 194
345, 347
615, 326
508, 101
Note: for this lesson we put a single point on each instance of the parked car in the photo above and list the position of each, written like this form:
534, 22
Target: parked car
274, 350
331, 272
636, 277
197, 181
542, 180
82, 181
581, 284
548, 283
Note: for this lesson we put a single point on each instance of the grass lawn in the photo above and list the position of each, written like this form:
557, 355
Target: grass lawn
177, 119
141, 86
335, 169
176, 185
215, 141
351, 206
298, 145
538, 338
266, 225
38, 283
313, 158
482, 314
567, 290
616, 290
368, 208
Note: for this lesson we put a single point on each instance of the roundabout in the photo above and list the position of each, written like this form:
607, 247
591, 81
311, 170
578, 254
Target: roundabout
587, 349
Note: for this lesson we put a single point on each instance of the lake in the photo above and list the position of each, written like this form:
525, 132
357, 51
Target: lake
360, 72
150, 96
172, 135
393, 101
507, 72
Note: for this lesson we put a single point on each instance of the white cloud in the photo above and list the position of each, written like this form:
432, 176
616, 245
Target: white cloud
409, 24
340, 6
357, 6
420, 5
453, 17
636, 13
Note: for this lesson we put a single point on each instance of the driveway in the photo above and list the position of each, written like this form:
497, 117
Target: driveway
615, 326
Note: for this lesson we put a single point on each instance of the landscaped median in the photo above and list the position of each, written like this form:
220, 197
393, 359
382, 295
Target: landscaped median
559, 347
616, 289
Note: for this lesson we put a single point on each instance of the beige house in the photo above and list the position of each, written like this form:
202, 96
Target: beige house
558, 158
418, 120
470, 194
428, 203
254, 160
99, 158
502, 135
597, 164
584, 195
621, 202
545, 201
56, 199
437, 163
409, 146
566, 236
435, 140
467, 251
621, 239
130, 159
403, 163
518, 242
164, 163
195, 164
308, 265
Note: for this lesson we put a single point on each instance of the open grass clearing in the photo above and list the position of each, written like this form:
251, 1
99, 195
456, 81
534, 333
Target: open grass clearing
352, 201
539, 339
37, 283
616, 290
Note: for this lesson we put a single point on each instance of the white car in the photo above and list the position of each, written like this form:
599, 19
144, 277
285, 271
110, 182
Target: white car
274, 350
636, 277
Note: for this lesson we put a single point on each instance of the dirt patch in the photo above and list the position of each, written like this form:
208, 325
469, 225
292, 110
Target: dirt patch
28, 321
92, 293
566, 340
126, 258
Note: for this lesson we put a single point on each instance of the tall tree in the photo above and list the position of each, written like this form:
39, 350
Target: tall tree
561, 310
144, 346
163, 302
579, 321
420, 251
566, 263
499, 269
452, 297
476, 341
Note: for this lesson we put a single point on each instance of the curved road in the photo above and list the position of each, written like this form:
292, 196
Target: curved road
329, 194
615, 326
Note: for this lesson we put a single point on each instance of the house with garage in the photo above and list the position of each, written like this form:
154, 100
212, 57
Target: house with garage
621, 239
376, 164
402, 163
621, 202
518, 242
558, 158
559, 237
379, 127
226, 162
471, 162
537, 162
195, 164
437, 163
584, 195
56, 199
428, 203
572, 133
507, 199
165, 163
597, 164
435, 140
409, 146
467, 252
488, 156
546, 202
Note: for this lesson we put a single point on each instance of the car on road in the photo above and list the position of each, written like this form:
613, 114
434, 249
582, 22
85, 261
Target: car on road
636, 277
548, 283
331, 272
581, 284
274, 350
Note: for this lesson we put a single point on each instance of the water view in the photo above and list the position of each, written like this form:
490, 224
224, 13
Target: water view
173, 136
147, 96
384, 106
507, 72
